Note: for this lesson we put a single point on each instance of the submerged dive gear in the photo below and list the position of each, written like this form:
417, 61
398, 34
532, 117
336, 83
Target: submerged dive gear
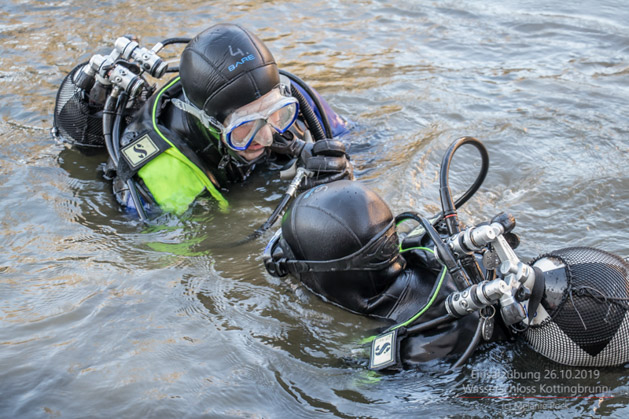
161, 155
340, 241
571, 305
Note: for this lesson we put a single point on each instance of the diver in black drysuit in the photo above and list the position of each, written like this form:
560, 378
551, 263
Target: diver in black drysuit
340, 241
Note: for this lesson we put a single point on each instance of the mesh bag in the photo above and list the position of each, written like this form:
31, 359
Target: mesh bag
78, 119
589, 326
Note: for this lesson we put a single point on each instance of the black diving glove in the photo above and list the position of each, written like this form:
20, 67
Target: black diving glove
327, 160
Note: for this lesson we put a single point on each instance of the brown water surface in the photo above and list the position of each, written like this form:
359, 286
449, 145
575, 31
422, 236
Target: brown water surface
101, 316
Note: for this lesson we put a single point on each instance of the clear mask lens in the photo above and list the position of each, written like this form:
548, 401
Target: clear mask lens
283, 118
243, 127
242, 135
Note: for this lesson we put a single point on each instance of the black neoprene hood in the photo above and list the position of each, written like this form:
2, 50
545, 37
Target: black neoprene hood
334, 220
226, 67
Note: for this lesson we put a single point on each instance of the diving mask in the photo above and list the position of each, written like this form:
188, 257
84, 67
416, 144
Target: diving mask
242, 125
274, 109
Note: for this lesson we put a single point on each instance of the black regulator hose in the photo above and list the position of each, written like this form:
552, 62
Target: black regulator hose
471, 347
175, 41
121, 105
447, 205
468, 262
443, 251
169, 41
108, 112
112, 141
429, 325
311, 117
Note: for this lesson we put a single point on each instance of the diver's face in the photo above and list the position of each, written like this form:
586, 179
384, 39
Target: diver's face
250, 128
261, 141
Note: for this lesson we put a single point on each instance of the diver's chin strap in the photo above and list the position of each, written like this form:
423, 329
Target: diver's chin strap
208, 122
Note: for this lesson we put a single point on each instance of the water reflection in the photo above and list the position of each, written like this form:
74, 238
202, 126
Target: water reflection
104, 317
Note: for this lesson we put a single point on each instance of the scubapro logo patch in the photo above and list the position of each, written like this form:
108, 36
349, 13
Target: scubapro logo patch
243, 60
139, 151
383, 351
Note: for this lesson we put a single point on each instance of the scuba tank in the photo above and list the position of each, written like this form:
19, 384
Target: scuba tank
80, 104
570, 305
582, 319
97, 99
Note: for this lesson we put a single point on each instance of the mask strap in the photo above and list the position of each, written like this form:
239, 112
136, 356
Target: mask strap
380, 245
208, 122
